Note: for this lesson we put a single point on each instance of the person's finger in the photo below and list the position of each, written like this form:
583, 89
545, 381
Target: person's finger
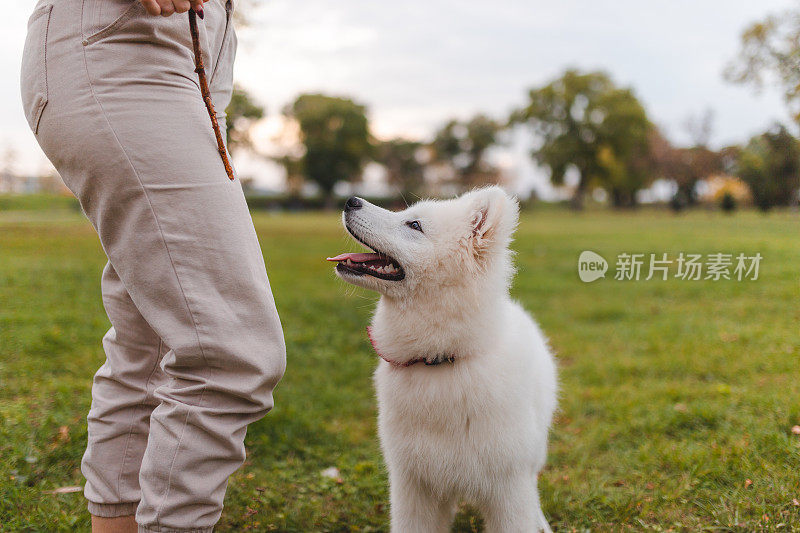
181, 6
167, 8
152, 7
197, 7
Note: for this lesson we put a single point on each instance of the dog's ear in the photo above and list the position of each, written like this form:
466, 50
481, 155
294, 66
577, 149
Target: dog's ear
494, 216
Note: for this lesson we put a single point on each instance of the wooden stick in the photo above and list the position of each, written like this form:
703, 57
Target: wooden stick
201, 74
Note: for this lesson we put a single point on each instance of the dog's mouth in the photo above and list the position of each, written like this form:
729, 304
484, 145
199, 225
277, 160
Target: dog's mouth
377, 264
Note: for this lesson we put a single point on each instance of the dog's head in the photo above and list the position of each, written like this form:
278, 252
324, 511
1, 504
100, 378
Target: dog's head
432, 244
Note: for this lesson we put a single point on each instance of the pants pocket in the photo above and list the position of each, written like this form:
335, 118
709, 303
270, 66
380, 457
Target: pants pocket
121, 10
223, 66
33, 78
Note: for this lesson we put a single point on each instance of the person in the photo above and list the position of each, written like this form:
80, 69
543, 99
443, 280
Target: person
195, 348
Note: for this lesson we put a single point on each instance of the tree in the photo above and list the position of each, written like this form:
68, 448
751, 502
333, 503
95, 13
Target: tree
685, 166
462, 146
242, 113
728, 202
700, 127
771, 48
243, 15
403, 160
699, 163
335, 136
585, 122
698, 160
770, 165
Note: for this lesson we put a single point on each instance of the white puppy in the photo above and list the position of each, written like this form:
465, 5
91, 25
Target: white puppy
467, 386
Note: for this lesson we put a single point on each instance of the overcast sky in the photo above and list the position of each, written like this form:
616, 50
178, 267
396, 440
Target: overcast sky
416, 63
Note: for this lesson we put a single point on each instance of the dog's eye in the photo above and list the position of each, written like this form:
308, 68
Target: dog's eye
414, 224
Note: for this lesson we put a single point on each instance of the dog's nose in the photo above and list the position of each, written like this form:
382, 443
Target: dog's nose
353, 203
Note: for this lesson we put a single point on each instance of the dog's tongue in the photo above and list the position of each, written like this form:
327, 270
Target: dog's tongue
356, 257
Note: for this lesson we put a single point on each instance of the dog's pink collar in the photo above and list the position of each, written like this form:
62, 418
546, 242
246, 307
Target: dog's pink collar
398, 364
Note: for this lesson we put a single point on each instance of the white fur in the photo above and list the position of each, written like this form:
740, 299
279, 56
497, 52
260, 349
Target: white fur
476, 429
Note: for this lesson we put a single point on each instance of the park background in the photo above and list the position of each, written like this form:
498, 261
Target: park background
633, 128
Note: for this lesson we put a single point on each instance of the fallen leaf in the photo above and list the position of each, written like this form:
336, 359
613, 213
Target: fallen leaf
748, 482
795, 502
650, 486
64, 490
63, 434
681, 407
331, 473
796, 430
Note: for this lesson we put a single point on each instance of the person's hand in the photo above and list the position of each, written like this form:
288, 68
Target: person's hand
166, 8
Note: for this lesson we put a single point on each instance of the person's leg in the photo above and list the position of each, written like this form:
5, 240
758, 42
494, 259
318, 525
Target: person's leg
122, 524
122, 400
127, 129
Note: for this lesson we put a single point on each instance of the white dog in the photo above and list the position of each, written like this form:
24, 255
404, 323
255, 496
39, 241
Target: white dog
467, 386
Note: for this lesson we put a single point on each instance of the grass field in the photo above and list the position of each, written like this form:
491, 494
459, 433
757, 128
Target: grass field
678, 398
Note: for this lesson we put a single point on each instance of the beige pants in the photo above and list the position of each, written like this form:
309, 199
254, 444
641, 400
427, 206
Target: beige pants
196, 346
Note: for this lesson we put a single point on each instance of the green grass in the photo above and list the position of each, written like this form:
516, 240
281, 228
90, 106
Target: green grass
37, 202
673, 393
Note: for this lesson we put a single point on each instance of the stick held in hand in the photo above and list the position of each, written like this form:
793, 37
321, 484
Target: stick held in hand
201, 74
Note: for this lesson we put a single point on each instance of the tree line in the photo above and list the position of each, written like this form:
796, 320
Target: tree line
586, 130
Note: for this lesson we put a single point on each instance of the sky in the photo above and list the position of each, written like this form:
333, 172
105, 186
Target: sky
417, 63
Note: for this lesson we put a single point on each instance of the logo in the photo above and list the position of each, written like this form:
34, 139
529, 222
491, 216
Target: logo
688, 266
591, 266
